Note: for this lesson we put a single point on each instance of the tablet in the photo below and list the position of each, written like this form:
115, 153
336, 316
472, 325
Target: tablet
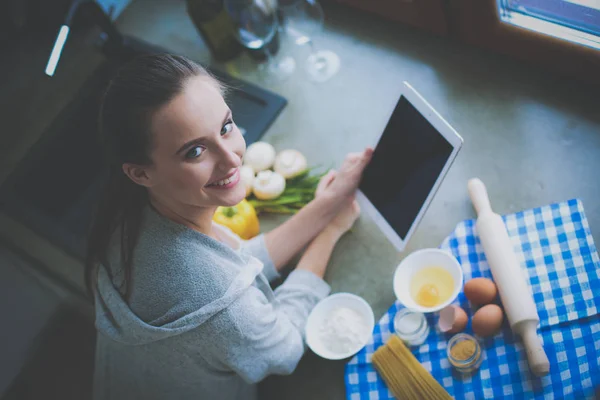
411, 158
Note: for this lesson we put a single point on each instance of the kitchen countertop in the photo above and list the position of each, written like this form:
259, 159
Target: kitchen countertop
533, 137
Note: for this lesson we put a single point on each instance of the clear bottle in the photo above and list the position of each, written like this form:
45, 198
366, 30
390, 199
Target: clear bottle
461, 362
411, 327
215, 26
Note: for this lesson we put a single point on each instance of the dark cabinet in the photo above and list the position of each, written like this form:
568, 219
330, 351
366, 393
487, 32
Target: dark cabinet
424, 14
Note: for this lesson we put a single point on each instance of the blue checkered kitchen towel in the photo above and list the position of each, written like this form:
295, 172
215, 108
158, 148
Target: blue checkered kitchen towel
556, 246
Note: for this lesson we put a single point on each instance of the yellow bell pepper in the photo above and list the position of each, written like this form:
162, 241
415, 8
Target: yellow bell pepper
241, 219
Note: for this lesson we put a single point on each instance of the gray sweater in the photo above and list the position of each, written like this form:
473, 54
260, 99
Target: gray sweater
202, 321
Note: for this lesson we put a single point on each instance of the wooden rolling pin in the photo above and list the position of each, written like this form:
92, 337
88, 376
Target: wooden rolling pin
514, 292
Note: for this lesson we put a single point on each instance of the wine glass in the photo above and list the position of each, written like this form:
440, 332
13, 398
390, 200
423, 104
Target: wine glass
303, 19
255, 22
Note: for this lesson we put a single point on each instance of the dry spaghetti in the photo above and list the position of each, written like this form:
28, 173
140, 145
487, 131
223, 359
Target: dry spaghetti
404, 375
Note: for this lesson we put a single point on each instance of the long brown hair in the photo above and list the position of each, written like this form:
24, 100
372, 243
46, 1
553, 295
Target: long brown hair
138, 90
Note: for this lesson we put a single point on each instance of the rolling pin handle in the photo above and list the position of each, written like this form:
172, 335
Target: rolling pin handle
536, 356
479, 195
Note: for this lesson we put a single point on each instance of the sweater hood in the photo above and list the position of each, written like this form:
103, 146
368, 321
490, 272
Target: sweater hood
115, 319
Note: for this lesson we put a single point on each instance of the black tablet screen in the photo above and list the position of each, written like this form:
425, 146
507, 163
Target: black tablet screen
407, 161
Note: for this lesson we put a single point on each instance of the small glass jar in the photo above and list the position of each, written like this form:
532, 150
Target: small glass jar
464, 365
411, 327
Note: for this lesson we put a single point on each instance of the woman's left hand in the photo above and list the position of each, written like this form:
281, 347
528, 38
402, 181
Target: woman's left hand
340, 186
344, 220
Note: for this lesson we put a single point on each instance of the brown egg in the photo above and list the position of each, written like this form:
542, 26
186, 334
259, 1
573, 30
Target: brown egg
453, 319
487, 320
481, 291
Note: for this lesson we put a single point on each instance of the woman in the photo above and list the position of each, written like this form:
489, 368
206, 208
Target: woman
184, 309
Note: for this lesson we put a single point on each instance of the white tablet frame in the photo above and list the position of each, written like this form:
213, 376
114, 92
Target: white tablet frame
444, 129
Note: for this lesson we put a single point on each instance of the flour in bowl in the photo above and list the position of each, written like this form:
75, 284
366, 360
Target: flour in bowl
343, 330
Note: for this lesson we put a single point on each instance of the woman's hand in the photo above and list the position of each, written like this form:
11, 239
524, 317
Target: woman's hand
344, 220
317, 255
334, 193
324, 182
341, 185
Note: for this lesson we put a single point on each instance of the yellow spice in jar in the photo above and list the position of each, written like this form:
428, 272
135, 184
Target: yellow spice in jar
463, 350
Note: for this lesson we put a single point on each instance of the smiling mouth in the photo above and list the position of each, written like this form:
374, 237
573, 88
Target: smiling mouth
234, 176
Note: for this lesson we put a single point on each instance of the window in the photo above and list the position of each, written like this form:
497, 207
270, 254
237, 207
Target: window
559, 35
577, 21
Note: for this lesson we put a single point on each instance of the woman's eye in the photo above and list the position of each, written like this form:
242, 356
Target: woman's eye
228, 127
194, 152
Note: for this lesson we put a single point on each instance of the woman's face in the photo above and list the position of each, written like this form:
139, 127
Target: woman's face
197, 149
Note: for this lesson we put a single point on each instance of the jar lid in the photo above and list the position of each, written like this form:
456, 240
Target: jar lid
408, 322
463, 350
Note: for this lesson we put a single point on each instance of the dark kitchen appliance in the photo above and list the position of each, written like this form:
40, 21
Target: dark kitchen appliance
55, 187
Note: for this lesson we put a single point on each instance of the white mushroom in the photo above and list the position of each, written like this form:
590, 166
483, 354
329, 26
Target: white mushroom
290, 163
247, 178
259, 156
268, 185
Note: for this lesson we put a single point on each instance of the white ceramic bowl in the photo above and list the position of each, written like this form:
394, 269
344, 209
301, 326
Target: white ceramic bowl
417, 261
323, 309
